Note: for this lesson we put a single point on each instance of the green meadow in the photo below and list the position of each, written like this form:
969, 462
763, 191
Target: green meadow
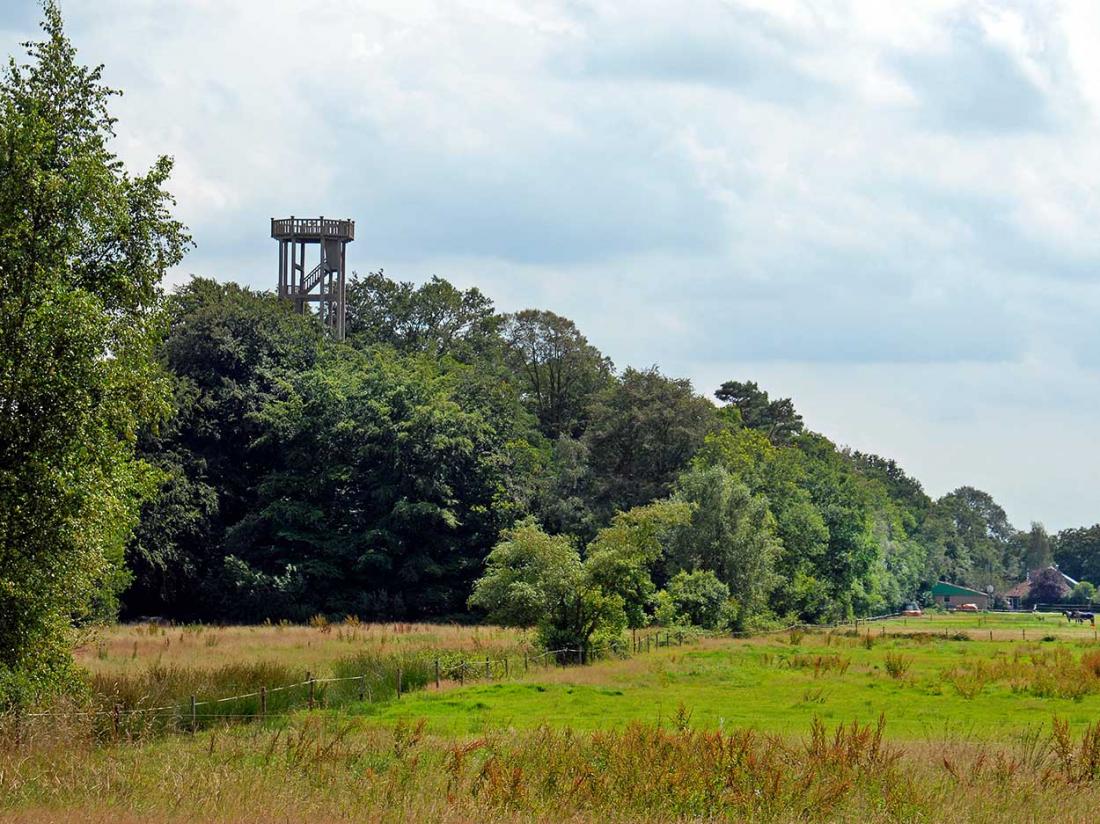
927, 686
904, 720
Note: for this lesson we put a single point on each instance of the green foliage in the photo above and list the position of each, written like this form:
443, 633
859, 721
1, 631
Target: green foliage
777, 420
1077, 552
644, 431
970, 539
1038, 549
534, 578
559, 370
524, 572
697, 598
415, 477
84, 244
731, 534
619, 561
229, 351
1083, 593
435, 319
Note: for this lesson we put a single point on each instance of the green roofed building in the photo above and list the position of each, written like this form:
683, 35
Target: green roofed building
953, 596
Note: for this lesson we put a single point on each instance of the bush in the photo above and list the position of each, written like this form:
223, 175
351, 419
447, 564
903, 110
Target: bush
695, 598
1083, 593
897, 665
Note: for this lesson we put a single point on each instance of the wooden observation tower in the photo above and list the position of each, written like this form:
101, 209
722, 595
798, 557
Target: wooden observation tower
325, 281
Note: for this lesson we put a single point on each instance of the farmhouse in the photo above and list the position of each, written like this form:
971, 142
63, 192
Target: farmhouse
951, 595
1020, 593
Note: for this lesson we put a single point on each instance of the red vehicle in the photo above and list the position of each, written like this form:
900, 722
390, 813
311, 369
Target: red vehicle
968, 608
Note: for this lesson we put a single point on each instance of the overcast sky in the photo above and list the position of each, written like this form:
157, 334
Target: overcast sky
887, 211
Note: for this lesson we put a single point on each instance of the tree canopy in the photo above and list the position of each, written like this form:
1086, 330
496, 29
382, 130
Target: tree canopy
85, 244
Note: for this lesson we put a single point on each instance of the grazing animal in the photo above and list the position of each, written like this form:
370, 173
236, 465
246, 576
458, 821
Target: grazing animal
1079, 616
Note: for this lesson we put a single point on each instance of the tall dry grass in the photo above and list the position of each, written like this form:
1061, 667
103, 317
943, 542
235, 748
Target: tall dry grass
127, 648
1053, 672
319, 767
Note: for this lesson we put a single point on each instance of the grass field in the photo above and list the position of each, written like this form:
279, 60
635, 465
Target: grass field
927, 686
778, 727
129, 648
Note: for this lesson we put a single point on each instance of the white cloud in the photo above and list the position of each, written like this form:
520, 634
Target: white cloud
885, 210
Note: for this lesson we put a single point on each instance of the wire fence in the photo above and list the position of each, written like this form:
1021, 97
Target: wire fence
369, 684
358, 681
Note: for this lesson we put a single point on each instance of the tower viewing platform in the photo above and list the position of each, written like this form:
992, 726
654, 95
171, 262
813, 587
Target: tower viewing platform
323, 283
312, 229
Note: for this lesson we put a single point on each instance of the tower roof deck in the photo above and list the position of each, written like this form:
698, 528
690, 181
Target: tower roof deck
312, 229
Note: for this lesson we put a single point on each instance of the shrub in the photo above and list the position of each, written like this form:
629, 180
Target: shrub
897, 665
699, 597
1083, 593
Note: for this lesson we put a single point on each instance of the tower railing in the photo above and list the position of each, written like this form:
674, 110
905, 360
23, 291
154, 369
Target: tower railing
312, 227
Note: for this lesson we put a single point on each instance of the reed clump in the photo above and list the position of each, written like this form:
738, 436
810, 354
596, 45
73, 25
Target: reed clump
897, 665
820, 664
1052, 672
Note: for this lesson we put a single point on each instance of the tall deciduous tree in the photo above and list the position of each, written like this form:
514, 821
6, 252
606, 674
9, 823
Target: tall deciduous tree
83, 245
435, 318
381, 498
229, 350
643, 433
1077, 552
621, 558
731, 533
1038, 550
970, 539
560, 371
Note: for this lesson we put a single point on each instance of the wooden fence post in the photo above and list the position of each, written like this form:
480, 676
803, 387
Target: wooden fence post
114, 718
263, 702
462, 674
194, 720
309, 678
437, 673
488, 671
399, 673
506, 670
362, 686
525, 660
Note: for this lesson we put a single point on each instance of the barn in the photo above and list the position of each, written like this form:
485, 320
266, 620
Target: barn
951, 596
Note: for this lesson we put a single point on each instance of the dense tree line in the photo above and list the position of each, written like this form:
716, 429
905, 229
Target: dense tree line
375, 477
210, 454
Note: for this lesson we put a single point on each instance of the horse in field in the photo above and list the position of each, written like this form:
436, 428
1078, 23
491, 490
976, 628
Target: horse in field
1079, 616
